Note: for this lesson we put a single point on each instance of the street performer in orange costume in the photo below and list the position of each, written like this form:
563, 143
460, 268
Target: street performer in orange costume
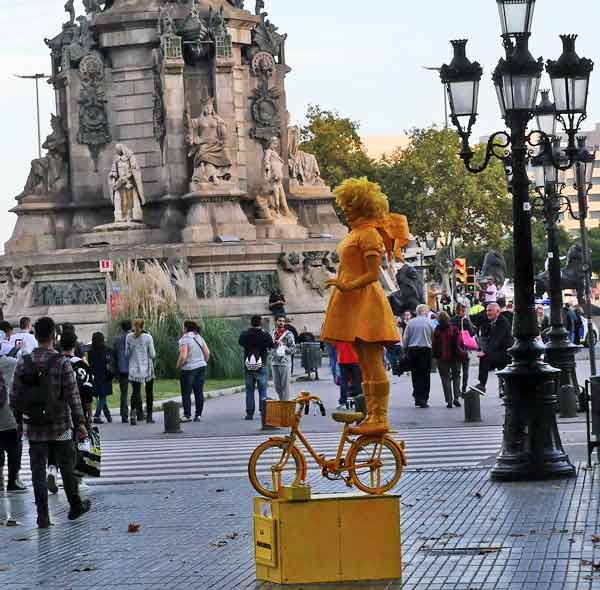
358, 310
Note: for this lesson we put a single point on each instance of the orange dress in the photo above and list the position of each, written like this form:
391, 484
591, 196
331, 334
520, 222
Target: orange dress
364, 314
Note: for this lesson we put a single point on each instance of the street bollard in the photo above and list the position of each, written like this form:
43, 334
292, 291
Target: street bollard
567, 400
172, 418
472, 405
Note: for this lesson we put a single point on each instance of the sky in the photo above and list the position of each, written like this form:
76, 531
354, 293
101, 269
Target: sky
363, 59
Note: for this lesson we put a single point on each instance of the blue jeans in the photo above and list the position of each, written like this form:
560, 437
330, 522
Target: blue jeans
350, 382
255, 379
333, 364
192, 381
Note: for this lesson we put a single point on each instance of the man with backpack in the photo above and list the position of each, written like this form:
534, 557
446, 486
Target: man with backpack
256, 343
46, 398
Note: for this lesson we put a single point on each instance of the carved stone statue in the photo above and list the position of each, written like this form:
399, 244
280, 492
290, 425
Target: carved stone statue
303, 166
273, 168
127, 187
411, 292
206, 137
70, 9
49, 175
572, 276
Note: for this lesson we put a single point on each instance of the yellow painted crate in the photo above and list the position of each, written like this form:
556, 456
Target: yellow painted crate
280, 413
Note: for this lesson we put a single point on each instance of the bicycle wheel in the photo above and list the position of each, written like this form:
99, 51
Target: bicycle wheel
269, 454
377, 464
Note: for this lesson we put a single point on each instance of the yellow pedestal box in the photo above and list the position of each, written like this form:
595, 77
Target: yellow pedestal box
329, 538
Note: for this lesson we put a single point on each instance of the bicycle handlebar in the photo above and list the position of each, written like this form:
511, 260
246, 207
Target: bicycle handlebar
306, 398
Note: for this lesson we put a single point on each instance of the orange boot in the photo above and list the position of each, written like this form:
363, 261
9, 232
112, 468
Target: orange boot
377, 395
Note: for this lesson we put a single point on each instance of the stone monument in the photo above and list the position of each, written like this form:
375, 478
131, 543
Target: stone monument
170, 142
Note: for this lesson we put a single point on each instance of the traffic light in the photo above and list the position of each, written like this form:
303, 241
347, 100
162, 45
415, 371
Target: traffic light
471, 279
460, 269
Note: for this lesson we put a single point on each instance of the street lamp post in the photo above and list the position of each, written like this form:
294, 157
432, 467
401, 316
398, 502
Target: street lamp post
531, 442
583, 174
549, 206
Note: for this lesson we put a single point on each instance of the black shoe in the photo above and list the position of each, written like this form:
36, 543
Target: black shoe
124, 420
80, 509
449, 406
133, 421
16, 486
424, 405
98, 420
249, 417
456, 403
108, 417
43, 519
197, 419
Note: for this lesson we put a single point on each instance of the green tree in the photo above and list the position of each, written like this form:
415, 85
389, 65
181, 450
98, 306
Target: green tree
539, 241
594, 243
430, 185
335, 142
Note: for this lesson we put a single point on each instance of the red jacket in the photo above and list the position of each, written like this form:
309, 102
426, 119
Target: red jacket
445, 345
346, 354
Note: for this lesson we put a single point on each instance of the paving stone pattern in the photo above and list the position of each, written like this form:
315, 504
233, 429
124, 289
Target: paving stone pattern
460, 531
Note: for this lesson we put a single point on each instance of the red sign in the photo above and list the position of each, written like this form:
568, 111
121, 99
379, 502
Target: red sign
106, 266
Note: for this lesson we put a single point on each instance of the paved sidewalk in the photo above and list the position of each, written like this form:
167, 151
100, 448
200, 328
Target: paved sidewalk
460, 531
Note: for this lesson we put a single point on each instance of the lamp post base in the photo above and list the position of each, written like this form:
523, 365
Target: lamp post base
531, 446
561, 354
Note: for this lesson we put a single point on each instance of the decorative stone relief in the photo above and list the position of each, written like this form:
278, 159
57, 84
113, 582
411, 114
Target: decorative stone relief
93, 122
50, 175
315, 271
236, 284
265, 111
220, 34
290, 262
20, 276
265, 36
80, 292
158, 120
206, 138
71, 45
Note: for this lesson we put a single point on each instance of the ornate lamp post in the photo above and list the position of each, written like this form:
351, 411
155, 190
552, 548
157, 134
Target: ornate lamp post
531, 445
583, 173
549, 206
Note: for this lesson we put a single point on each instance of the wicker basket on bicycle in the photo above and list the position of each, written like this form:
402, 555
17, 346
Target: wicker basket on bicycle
281, 414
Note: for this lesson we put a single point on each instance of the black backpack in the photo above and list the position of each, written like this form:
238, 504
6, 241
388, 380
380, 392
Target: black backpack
41, 403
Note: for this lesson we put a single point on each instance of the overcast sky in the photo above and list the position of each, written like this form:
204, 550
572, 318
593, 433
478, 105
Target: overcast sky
362, 58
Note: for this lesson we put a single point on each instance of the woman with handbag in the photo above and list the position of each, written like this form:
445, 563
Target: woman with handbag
446, 350
139, 348
467, 333
193, 359
100, 361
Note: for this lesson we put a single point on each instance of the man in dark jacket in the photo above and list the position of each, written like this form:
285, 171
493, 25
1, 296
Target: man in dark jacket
495, 340
121, 363
256, 343
58, 432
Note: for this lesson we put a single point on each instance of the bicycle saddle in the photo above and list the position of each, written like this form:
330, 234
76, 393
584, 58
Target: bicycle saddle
347, 417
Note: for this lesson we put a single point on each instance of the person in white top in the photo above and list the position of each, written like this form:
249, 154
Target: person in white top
23, 339
491, 291
193, 359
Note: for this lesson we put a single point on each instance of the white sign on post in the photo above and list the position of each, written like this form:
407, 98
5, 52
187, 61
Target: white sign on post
106, 266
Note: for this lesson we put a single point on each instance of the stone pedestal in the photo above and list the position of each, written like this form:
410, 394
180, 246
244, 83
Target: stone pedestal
216, 213
118, 234
280, 229
314, 207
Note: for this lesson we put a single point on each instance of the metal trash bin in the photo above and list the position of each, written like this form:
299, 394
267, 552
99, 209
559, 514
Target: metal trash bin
472, 404
311, 356
172, 417
567, 401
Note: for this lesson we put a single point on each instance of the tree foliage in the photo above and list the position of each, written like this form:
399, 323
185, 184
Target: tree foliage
337, 145
429, 183
594, 243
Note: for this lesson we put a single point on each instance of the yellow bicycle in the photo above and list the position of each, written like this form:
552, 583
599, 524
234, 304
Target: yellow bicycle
372, 463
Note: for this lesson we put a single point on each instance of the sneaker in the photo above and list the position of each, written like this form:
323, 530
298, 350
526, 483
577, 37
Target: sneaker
456, 403
16, 486
186, 419
51, 481
79, 510
197, 419
449, 406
